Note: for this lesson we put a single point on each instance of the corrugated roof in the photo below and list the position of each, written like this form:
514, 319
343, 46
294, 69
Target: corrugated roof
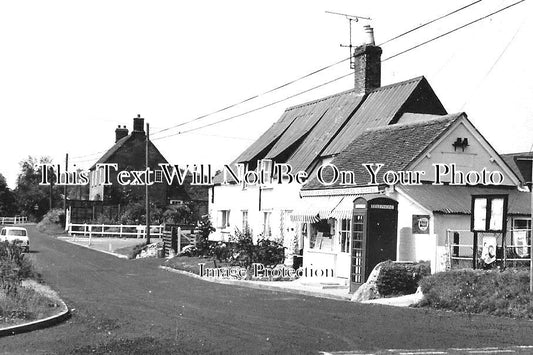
394, 146
523, 171
325, 126
379, 109
307, 118
457, 199
269, 137
340, 109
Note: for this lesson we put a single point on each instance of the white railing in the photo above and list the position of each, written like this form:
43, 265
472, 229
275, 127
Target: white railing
14, 220
113, 230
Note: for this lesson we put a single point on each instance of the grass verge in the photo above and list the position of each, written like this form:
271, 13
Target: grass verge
21, 300
476, 291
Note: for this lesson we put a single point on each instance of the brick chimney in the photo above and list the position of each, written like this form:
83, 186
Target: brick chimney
367, 64
120, 133
138, 125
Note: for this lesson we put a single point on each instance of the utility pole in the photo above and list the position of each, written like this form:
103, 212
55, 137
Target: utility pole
65, 186
50, 200
146, 185
523, 168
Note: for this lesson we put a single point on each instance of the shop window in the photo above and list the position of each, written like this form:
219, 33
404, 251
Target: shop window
344, 235
322, 234
267, 227
223, 219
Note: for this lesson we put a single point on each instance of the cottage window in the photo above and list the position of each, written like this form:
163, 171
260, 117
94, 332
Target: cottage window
344, 235
223, 219
267, 228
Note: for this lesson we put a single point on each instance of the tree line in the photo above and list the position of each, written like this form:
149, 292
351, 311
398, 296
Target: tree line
28, 198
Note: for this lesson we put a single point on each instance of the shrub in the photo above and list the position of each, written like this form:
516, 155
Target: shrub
14, 267
202, 241
245, 252
53, 221
478, 291
401, 278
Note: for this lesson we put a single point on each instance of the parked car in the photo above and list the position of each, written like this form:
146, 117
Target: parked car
16, 235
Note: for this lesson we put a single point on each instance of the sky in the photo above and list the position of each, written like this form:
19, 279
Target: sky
71, 71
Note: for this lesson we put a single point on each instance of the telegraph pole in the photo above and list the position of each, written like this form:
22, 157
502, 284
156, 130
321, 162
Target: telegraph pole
146, 185
65, 186
524, 168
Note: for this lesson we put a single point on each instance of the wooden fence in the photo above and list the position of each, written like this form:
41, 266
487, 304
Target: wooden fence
14, 220
113, 230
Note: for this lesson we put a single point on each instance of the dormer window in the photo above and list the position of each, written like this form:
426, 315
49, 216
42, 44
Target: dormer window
460, 143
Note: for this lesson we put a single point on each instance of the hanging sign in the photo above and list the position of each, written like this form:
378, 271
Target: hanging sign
420, 224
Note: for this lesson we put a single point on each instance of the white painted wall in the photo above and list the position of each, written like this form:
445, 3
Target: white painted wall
477, 156
279, 200
413, 247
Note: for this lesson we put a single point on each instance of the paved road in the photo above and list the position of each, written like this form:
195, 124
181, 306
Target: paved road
123, 306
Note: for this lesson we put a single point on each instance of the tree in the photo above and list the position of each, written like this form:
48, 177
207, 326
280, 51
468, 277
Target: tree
8, 205
34, 199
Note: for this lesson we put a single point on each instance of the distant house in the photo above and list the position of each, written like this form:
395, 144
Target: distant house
350, 228
128, 152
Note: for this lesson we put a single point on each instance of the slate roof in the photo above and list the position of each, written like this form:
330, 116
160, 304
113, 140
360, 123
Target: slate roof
394, 146
106, 158
448, 199
324, 127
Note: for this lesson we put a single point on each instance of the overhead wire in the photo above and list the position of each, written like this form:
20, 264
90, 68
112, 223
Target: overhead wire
255, 96
317, 71
329, 82
429, 22
454, 30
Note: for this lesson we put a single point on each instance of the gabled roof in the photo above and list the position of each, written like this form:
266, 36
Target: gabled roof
522, 170
394, 146
383, 106
448, 199
107, 155
120, 144
326, 126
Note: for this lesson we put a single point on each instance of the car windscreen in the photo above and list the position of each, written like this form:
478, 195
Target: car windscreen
16, 232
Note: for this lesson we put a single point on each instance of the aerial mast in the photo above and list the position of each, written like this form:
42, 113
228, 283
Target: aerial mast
350, 18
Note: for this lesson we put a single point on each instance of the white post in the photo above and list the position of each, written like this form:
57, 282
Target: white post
90, 233
120, 231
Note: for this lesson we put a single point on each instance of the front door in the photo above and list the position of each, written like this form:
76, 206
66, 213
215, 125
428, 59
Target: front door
381, 232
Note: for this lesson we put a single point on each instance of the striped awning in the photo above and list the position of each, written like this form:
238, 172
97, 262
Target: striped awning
344, 209
313, 209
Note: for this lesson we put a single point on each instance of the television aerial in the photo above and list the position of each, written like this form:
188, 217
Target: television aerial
350, 18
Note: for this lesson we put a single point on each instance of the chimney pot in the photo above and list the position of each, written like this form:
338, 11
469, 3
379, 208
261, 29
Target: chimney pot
138, 124
369, 31
120, 133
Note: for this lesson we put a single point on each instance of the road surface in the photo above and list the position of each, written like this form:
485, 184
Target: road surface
131, 306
